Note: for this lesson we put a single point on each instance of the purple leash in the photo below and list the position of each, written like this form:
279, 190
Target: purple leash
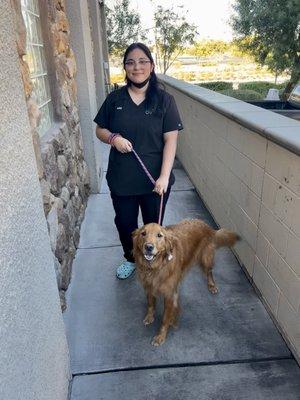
152, 181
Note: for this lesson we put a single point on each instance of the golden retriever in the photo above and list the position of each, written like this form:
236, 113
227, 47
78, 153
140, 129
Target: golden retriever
164, 254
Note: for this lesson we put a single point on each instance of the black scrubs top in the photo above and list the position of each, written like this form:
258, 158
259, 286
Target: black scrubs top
144, 129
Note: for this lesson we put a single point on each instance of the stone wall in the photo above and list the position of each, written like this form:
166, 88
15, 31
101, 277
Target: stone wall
63, 172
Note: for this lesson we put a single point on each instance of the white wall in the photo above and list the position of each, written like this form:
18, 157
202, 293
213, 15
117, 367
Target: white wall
34, 361
252, 185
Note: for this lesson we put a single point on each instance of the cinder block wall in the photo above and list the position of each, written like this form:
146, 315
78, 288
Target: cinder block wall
252, 185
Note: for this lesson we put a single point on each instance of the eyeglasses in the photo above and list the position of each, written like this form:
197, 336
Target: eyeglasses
141, 63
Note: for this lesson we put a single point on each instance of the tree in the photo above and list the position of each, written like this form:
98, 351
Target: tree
123, 27
270, 31
172, 33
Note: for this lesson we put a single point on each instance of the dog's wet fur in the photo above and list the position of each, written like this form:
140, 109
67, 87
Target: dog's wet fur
164, 254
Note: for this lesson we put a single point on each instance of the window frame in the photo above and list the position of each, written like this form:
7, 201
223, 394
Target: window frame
46, 13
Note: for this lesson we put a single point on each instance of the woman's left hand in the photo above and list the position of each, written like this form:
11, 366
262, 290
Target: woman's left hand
161, 185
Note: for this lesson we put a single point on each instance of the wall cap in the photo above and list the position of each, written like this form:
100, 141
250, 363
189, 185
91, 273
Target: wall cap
277, 128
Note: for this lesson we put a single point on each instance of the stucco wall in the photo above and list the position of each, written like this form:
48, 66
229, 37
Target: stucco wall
34, 361
245, 164
81, 42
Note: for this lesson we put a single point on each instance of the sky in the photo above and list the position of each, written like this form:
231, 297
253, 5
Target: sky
210, 16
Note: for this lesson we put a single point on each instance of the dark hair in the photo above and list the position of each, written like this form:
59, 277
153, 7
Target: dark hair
152, 93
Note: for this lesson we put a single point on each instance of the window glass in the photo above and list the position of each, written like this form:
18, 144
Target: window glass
36, 60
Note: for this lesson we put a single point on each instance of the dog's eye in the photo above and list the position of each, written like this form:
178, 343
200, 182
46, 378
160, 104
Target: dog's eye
159, 235
143, 233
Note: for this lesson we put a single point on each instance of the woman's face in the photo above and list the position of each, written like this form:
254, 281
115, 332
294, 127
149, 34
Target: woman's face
138, 66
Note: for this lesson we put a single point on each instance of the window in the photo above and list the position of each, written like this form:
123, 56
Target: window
36, 60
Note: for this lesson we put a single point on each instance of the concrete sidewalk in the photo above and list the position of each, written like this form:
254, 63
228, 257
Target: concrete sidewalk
226, 346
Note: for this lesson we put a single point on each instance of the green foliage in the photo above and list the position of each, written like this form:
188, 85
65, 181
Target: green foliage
207, 48
172, 34
123, 27
245, 95
270, 31
238, 48
261, 87
256, 90
216, 86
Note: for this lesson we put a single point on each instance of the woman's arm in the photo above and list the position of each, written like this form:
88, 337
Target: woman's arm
169, 152
102, 134
121, 144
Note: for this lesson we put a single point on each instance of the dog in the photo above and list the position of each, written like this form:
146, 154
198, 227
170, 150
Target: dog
164, 254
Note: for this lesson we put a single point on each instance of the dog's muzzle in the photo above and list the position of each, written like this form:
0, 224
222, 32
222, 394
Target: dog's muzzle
148, 254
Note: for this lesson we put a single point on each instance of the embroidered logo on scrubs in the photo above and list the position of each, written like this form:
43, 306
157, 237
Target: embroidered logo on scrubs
149, 112
119, 108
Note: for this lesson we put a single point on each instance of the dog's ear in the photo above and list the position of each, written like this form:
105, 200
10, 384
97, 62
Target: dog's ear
169, 245
135, 233
136, 238
135, 241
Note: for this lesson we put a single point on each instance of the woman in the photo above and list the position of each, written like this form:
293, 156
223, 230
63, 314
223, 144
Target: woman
143, 117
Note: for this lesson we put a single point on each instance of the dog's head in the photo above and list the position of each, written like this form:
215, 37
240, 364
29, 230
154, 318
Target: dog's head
152, 241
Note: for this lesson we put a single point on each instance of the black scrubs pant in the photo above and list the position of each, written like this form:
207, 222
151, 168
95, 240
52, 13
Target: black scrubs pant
127, 211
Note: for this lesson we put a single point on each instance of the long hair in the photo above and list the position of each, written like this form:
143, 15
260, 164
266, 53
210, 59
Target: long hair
152, 93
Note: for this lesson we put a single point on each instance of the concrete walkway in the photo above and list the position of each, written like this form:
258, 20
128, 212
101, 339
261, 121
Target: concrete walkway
226, 346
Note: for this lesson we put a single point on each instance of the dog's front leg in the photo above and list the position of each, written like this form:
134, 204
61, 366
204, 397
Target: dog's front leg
149, 318
167, 320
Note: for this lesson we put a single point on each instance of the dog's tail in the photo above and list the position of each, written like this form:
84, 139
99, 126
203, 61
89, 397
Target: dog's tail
224, 237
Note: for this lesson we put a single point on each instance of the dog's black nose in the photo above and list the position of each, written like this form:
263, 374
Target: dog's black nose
149, 247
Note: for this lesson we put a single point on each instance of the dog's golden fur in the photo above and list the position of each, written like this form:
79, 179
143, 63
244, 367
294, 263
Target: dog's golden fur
164, 254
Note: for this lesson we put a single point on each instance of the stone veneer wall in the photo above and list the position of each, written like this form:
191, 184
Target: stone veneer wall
245, 163
63, 173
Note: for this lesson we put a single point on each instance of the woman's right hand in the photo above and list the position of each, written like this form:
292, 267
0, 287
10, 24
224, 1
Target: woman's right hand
122, 145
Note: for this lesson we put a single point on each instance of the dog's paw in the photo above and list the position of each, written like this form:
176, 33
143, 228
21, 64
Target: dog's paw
213, 289
148, 319
158, 340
